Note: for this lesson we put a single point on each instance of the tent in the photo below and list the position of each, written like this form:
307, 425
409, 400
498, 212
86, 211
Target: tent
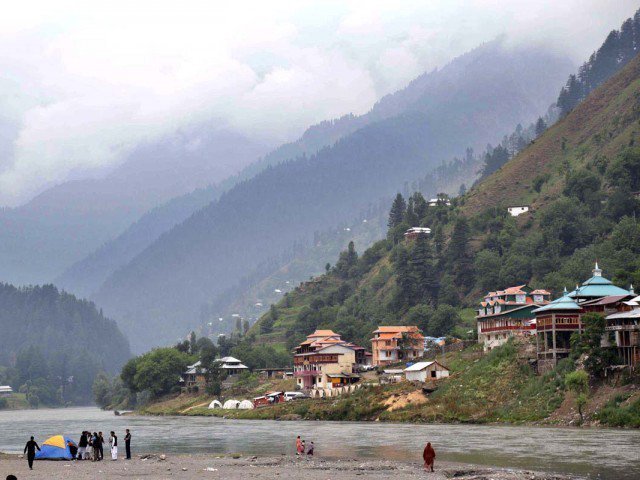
215, 404
55, 448
246, 405
231, 404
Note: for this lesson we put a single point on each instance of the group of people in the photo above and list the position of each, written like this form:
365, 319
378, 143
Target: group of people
301, 448
91, 446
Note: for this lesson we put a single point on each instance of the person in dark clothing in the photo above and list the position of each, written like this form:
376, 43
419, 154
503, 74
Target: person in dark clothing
127, 443
30, 450
72, 449
429, 456
11, 477
100, 446
82, 446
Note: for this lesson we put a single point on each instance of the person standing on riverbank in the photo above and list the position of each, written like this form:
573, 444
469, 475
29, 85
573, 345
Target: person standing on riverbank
127, 443
113, 442
298, 445
429, 456
82, 446
100, 446
30, 450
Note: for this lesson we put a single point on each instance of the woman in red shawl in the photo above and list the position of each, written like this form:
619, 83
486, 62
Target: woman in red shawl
429, 456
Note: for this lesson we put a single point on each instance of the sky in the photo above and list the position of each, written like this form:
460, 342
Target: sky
83, 82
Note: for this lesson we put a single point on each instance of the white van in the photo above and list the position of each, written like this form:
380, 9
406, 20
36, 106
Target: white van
288, 396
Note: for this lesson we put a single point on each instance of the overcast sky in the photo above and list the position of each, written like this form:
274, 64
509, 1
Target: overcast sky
82, 84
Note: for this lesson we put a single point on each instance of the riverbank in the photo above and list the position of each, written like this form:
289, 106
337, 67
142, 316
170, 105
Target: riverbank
495, 388
237, 467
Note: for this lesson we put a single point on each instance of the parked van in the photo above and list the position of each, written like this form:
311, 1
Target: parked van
288, 396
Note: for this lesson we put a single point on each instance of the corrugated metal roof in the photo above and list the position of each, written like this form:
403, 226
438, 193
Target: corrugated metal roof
565, 303
635, 313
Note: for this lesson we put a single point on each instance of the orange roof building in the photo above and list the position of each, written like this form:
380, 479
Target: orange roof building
388, 347
505, 313
324, 361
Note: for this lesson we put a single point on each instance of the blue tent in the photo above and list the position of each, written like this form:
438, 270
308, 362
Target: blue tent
55, 448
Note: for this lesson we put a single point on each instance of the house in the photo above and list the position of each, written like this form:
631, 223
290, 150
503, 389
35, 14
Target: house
441, 199
394, 344
507, 313
5, 390
196, 375
625, 325
517, 210
423, 371
232, 366
415, 232
558, 320
324, 360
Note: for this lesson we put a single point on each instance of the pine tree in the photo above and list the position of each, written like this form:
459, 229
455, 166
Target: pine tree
398, 211
459, 240
541, 126
405, 280
423, 271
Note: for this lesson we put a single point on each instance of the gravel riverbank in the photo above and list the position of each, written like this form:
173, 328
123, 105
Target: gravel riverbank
190, 467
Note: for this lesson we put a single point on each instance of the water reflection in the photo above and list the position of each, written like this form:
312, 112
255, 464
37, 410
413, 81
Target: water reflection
553, 449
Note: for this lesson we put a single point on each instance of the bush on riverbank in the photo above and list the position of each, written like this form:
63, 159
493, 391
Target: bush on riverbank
620, 412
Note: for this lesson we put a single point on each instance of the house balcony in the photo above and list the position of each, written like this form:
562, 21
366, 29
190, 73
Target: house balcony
306, 373
507, 328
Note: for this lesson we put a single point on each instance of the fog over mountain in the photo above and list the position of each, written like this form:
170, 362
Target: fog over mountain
476, 99
84, 84
65, 223
132, 133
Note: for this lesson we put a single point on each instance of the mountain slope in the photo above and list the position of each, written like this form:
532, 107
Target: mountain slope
65, 223
50, 338
84, 277
579, 177
473, 100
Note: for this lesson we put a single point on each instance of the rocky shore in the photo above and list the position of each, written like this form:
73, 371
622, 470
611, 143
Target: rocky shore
238, 467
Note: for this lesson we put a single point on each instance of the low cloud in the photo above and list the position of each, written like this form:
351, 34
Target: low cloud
84, 84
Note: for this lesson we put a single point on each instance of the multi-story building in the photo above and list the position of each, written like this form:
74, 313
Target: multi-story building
557, 321
394, 344
508, 312
325, 360
625, 325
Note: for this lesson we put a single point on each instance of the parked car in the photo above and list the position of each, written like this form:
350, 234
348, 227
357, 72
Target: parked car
366, 368
288, 396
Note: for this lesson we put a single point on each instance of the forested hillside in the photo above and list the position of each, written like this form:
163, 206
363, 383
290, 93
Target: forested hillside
53, 344
581, 178
158, 295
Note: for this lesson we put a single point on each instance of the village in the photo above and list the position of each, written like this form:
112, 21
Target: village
325, 365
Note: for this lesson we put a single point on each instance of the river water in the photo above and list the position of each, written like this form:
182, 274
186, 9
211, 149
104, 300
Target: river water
592, 453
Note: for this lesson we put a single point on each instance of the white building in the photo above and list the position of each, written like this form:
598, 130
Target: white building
5, 390
232, 365
517, 210
423, 371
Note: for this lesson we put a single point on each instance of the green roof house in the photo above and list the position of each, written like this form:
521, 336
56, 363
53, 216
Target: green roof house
596, 287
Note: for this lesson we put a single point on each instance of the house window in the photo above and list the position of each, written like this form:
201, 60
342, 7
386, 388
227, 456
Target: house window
433, 374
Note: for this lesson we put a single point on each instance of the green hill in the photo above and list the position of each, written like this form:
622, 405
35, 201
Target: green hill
53, 345
579, 180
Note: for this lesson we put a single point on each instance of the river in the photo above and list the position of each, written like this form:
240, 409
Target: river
562, 450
